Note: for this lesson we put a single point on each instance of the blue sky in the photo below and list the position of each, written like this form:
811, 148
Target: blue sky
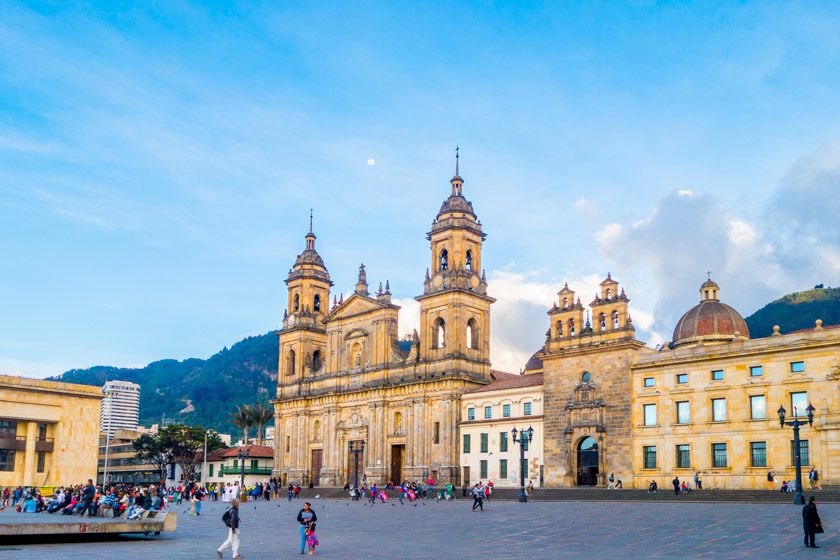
157, 165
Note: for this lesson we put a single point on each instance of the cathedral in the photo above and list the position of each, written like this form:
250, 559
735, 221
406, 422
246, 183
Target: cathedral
354, 399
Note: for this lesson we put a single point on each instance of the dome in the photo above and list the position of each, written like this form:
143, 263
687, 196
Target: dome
535, 362
710, 321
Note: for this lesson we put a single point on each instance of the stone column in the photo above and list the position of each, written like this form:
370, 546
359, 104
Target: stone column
29, 456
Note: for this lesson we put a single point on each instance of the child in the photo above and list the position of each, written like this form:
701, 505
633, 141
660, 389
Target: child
311, 539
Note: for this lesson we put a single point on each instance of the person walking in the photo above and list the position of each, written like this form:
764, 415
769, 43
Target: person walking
814, 479
611, 478
770, 480
478, 497
305, 516
676, 483
811, 522
618, 483
697, 482
231, 519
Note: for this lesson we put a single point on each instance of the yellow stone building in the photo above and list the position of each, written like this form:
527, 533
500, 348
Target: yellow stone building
49, 432
344, 377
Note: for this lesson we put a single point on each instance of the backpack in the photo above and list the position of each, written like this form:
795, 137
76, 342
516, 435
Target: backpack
226, 517
612, 478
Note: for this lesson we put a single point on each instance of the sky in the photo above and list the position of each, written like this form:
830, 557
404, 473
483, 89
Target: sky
158, 163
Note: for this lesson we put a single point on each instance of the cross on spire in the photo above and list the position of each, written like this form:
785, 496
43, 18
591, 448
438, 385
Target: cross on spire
457, 149
709, 274
310, 220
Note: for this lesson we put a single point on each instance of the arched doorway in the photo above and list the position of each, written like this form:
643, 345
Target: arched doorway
587, 473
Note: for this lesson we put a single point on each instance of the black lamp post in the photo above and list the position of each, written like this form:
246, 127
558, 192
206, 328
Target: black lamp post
798, 498
524, 439
242, 455
356, 447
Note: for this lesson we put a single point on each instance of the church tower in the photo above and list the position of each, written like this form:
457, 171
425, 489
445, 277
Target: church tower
455, 307
303, 336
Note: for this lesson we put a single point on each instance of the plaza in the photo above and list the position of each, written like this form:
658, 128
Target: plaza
506, 529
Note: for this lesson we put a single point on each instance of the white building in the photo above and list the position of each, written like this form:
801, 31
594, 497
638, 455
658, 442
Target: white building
224, 466
488, 416
120, 409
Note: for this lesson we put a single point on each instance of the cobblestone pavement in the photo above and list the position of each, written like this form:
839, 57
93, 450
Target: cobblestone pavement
506, 530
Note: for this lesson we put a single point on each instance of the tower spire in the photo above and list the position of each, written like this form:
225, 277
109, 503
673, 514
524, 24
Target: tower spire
457, 149
457, 182
310, 220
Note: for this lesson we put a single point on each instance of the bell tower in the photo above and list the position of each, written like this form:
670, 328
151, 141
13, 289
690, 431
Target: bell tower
455, 307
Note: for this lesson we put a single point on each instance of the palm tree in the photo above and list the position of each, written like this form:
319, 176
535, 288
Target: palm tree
243, 419
260, 416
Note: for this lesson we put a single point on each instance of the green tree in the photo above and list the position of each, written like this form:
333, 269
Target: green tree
152, 449
261, 414
243, 419
186, 444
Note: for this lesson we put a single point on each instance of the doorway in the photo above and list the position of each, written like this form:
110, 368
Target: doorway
356, 464
317, 455
466, 476
587, 472
397, 454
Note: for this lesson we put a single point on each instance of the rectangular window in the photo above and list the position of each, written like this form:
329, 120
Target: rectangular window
488, 412
8, 428
682, 378
717, 375
758, 407
526, 409
804, 454
758, 454
235, 463
649, 381
506, 410
503, 442
467, 443
255, 464
484, 443
483, 469
649, 453
797, 367
718, 410
436, 438
42, 432
683, 412
502, 469
470, 413
799, 404
210, 473
719, 455
756, 371
683, 456
7, 459
42, 459
650, 414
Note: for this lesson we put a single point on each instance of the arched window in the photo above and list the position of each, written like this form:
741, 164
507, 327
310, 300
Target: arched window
585, 377
602, 321
609, 293
472, 334
559, 328
296, 304
469, 260
290, 363
397, 422
444, 259
316, 302
316, 360
615, 319
571, 327
439, 333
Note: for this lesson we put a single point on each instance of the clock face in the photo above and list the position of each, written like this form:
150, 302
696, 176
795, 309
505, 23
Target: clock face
291, 320
474, 281
437, 281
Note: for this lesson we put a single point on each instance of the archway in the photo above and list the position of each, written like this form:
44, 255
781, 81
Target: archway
587, 472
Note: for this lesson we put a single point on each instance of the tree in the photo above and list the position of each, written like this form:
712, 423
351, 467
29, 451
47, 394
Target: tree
187, 446
151, 449
243, 419
261, 414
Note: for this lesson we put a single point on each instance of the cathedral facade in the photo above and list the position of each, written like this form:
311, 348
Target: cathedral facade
346, 382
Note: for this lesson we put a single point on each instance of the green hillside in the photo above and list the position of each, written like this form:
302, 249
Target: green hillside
797, 311
245, 373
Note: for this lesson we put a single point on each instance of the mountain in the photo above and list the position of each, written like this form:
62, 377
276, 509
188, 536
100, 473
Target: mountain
196, 391
795, 311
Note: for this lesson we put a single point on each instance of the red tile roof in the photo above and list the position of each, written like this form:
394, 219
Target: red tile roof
509, 381
257, 452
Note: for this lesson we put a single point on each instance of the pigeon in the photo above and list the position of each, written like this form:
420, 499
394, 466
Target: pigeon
317, 496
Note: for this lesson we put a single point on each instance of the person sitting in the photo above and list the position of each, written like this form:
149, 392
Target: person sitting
652, 488
30, 504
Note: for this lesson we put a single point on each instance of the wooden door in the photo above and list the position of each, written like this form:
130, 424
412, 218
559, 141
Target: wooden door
467, 476
317, 455
396, 463
351, 465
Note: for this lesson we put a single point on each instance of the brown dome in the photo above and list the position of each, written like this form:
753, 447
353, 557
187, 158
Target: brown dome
710, 321
535, 361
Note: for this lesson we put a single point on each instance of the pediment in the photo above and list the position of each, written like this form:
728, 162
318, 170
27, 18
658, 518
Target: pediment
355, 305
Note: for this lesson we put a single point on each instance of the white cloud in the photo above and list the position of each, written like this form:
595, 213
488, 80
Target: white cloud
741, 233
688, 193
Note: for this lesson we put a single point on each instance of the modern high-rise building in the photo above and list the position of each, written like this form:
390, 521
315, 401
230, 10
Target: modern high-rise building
121, 406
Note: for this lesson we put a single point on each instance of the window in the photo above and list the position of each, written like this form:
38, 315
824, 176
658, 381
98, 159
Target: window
210, 472
758, 454
804, 455
484, 443
799, 404
682, 378
8, 428
488, 412
291, 363
649, 381
316, 303
467, 443
316, 360
436, 438
42, 458
472, 338
717, 375
756, 371
470, 413
797, 367
586, 377
483, 469
650, 414
718, 410
683, 412
506, 410
297, 302
7, 459
719, 455
42, 431
503, 469
235, 463
444, 259
440, 333
758, 407
526, 409
469, 260
649, 454
503, 441
683, 456
255, 464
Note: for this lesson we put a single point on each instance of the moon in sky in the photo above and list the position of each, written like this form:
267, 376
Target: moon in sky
371, 162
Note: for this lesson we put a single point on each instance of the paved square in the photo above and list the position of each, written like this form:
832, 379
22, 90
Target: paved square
506, 530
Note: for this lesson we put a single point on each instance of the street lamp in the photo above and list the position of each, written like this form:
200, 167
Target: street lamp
243, 454
356, 447
798, 498
525, 438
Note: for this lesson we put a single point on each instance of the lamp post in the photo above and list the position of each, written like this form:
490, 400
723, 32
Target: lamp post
110, 396
525, 437
242, 454
798, 498
356, 447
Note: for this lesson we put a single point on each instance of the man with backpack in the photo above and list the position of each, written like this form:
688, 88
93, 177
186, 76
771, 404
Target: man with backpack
231, 519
